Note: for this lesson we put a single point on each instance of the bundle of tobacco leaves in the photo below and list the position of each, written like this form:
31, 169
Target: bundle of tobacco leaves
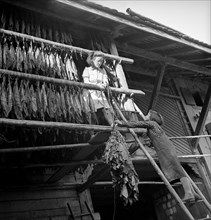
123, 174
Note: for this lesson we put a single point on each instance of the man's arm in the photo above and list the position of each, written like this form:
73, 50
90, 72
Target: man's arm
139, 124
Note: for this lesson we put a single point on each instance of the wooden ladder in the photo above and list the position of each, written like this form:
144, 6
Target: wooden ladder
160, 173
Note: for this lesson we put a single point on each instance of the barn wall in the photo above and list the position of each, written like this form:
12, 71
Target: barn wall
42, 203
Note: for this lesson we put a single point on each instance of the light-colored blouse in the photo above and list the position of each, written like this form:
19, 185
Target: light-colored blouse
97, 77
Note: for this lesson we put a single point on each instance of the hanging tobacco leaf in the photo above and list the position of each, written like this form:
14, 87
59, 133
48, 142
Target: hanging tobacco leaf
123, 174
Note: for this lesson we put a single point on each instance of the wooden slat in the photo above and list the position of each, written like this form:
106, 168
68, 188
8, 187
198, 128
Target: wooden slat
168, 60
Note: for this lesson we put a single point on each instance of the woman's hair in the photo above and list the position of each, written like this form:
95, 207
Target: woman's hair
155, 116
91, 56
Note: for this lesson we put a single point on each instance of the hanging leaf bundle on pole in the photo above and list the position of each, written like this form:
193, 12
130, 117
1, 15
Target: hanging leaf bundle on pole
123, 174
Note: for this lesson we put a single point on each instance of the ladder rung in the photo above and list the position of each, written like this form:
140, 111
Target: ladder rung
209, 218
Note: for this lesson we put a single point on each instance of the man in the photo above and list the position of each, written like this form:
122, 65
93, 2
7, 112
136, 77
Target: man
166, 152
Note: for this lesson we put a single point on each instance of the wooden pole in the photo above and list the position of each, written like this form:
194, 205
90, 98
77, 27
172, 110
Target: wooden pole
42, 148
59, 125
157, 86
199, 192
160, 173
60, 45
67, 82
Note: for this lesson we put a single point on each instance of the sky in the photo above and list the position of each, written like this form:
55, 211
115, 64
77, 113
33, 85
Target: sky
191, 17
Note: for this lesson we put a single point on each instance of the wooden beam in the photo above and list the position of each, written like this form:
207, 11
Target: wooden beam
199, 59
133, 24
59, 125
203, 116
183, 52
60, 45
134, 37
161, 45
128, 105
168, 60
82, 154
64, 82
157, 86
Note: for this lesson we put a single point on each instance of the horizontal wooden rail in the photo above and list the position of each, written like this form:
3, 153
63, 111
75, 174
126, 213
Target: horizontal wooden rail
60, 125
67, 82
69, 47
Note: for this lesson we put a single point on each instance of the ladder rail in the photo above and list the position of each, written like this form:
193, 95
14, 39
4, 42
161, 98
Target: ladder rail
160, 173
207, 204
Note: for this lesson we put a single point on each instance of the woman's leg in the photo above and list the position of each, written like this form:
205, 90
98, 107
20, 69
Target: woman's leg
109, 116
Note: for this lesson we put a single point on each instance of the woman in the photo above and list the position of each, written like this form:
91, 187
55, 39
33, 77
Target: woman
166, 152
96, 74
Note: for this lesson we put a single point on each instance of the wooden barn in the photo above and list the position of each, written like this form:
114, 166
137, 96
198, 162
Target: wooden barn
48, 168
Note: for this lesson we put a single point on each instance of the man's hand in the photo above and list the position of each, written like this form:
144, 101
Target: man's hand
118, 122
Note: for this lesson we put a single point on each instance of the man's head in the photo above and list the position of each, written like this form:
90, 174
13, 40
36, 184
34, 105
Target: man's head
155, 116
95, 59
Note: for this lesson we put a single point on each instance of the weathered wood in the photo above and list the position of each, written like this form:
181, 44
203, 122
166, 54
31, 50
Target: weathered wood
168, 60
183, 52
59, 125
156, 167
203, 116
60, 45
43, 148
157, 86
128, 105
68, 82
130, 23
82, 154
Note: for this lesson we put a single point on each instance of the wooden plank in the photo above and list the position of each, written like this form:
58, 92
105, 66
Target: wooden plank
157, 86
61, 172
38, 204
27, 195
129, 23
35, 214
168, 60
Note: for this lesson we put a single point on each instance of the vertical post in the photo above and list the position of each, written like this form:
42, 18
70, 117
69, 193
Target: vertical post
121, 75
201, 162
203, 116
156, 90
